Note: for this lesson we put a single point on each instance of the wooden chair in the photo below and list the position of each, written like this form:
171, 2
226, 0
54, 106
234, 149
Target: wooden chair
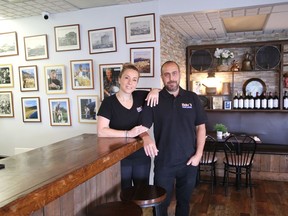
145, 196
117, 208
208, 161
239, 154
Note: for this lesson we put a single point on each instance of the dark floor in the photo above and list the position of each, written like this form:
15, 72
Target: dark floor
269, 198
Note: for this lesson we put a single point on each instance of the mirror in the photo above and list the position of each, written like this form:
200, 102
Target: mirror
201, 60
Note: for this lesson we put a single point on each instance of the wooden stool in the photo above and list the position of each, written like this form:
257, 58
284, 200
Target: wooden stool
117, 208
145, 196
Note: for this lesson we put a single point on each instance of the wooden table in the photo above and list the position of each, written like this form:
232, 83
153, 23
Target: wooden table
65, 178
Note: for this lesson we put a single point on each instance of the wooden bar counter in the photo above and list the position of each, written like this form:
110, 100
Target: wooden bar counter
65, 178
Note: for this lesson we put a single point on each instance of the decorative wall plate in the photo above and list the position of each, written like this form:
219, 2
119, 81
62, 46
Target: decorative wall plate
268, 57
201, 60
254, 85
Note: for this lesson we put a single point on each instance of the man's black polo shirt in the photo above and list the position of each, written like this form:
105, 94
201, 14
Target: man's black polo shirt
175, 120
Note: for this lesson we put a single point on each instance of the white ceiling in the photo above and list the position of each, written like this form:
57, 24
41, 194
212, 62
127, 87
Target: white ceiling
194, 26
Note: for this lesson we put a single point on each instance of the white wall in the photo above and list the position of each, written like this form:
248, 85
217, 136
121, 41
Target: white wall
14, 132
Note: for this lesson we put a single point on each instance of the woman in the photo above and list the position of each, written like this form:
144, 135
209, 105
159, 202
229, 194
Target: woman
118, 117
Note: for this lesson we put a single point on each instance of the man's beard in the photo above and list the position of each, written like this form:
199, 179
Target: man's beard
172, 88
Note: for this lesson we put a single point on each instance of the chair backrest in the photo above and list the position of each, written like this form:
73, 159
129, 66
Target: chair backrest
239, 150
209, 150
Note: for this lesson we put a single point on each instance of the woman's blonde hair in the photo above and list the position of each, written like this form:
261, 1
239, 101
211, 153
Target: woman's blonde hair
127, 66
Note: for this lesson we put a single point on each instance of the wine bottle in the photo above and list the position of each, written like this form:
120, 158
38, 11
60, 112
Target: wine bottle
270, 101
263, 99
285, 100
240, 101
246, 101
251, 101
275, 101
257, 101
235, 101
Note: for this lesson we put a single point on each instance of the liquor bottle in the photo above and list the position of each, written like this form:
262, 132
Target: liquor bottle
246, 101
251, 101
235, 101
275, 101
270, 101
257, 101
285, 100
263, 99
240, 101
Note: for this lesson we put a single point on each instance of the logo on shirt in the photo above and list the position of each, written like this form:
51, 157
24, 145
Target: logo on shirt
139, 109
187, 105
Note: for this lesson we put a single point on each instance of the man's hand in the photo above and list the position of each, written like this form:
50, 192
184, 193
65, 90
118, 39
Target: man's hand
149, 146
194, 160
153, 97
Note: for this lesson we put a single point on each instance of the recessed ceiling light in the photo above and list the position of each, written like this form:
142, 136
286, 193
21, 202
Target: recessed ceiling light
245, 23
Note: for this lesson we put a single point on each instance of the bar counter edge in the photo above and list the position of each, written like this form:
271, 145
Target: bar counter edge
33, 179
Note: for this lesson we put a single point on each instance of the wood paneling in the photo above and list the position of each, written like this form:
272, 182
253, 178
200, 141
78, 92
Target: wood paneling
84, 169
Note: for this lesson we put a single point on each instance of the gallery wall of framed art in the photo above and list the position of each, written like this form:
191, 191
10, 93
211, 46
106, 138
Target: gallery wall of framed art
63, 45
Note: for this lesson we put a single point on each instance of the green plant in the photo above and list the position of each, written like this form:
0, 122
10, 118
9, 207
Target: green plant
220, 127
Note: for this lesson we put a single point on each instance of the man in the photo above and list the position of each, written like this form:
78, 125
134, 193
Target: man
178, 120
110, 82
53, 82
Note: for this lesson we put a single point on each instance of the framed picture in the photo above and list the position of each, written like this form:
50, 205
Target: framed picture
82, 74
143, 59
140, 28
67, 37
217, 102
36, 47
59, 109
28, 77
6, 105
55, 79
109, 74
227, 104
8, 44
102, 40
31, 109
6, 76
87, 108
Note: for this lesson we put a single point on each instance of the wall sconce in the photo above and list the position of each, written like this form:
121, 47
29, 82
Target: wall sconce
211, 80
211, 83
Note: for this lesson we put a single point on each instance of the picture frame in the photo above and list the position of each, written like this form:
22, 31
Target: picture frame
87, 108
6, 104
109, 70
55, 79
6, 76
28, 78
227, 104
143, 59
217, 102
82, 74
31, 111
59, 110
67, 37
102, 40
8, 44
36, 47
140, 28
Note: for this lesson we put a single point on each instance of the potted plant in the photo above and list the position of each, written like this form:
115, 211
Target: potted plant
220, 129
